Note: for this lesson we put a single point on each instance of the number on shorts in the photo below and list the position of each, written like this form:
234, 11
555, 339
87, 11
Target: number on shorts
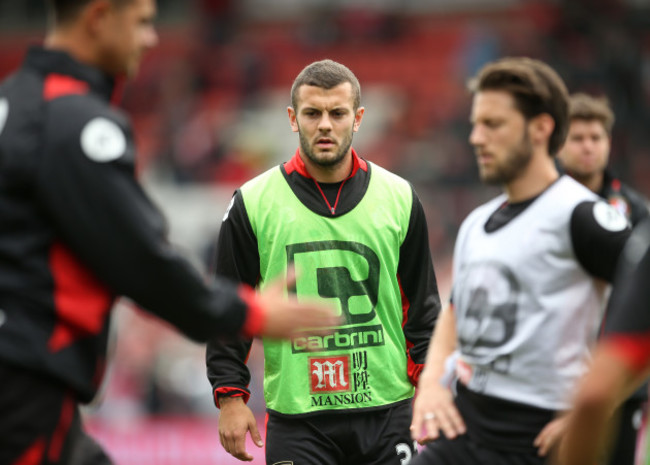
404, 451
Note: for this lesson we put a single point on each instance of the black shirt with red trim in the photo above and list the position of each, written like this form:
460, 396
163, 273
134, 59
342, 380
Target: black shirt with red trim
626, 200
77, 230
237, 258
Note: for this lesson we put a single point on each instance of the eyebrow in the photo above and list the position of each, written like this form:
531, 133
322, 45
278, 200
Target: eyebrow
341, 107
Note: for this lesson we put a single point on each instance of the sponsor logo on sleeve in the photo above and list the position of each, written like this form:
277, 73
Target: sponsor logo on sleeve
609, 217
102, 140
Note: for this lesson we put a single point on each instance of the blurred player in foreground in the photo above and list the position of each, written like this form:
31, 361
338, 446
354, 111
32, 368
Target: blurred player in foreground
621, 362
77, 230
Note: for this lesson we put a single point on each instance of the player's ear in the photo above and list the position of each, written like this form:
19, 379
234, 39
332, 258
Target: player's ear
95, 17
292, 118
540, 128
358, 116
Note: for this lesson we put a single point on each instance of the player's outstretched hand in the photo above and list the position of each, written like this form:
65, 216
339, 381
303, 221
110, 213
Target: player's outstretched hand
235, 421
434, 411
286, 316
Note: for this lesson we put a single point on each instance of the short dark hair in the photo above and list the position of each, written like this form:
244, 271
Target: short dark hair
66, 10
326, 74
589, 108
536, 88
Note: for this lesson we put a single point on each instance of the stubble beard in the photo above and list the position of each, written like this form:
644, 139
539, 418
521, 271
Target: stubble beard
325, 162
514, 164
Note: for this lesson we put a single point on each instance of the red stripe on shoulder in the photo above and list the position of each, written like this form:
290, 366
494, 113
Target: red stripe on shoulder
81, 302
59, 85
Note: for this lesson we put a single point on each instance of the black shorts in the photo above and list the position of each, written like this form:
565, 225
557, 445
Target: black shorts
463, 451
40, 422
376, 437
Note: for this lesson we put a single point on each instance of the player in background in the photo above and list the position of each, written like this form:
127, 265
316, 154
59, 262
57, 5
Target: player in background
77, 230
528, 282
585, 157
358, 235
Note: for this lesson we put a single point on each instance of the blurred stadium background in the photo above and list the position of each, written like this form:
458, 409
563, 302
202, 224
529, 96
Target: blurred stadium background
209, 110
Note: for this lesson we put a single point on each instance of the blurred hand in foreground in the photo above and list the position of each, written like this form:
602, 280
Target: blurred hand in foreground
287, 316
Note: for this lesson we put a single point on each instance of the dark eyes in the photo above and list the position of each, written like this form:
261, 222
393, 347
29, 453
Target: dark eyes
335, 114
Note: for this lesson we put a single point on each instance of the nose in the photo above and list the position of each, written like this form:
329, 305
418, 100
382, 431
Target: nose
476, 137
325, 123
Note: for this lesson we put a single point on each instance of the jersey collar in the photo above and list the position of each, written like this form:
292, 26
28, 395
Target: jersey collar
60, 63
296, 164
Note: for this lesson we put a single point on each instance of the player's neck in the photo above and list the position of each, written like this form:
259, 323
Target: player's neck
535, 179
71, 41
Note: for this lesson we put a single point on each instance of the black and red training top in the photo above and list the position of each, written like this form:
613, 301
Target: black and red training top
77, 230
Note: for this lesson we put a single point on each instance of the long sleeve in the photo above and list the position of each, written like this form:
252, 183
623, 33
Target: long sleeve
420, 298
86, 186
236, 258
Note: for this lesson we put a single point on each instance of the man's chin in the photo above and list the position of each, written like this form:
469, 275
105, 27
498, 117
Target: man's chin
491, 179
581, 176
327, 162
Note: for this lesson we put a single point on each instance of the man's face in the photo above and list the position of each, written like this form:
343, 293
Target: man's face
325, 121
126, 33
499, 137
586, 150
